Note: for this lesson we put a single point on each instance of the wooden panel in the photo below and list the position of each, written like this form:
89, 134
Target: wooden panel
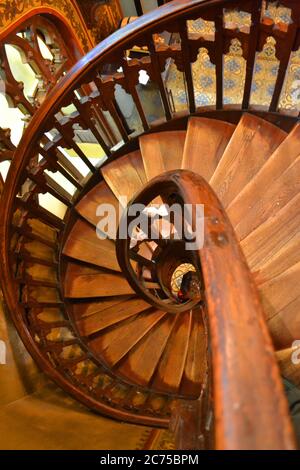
109, 316
252, 143
205, 144
262, 244
114, 345
171, 368
260, 199
100, 194
125, 176
141, 363
83, 244
83, 282
162, 152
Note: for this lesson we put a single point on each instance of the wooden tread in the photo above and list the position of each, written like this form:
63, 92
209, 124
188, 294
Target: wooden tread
88, 205
252, 143
274, 186
125, 176
83, 244
162, 152
205, 143
85, 282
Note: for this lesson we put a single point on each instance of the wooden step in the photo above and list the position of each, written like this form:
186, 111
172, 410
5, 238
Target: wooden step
280, 291
82, 310
112, 346
83, 244
271, 236
170, 371
105, 317
274, 186
39, 250
205, 143
125, 176
162, 152
42, 230
281, 261
88, 205
85, 282
252, 143
40, 272
142, 361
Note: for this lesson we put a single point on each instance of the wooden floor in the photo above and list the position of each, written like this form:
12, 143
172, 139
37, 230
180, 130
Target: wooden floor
50, 419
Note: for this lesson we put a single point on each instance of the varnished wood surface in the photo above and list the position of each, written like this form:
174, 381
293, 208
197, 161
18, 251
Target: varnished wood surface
82, 281
205, 144
126, 176
274, 186
253, 142
83, 244
162, 152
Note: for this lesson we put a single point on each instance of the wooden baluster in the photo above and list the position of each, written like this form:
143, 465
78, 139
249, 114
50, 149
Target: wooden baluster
158, 78
219, 59
83, 107
138, 7
40, 213
13, 88
7, 148
55, 166
65, 128
131, 80
253, 42
48, 185
285, 49
187, 68
106, 100
100, 119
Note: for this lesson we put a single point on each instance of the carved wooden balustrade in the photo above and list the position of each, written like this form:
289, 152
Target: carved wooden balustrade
46, 167
45, 56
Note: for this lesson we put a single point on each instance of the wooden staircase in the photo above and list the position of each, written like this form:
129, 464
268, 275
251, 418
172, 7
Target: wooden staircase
248, 168
72, 303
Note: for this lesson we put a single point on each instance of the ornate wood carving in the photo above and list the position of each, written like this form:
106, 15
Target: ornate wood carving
102, 16
13, 11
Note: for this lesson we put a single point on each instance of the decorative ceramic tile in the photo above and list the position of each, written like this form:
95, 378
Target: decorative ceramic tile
265, 74
290, 96
201, 28
234, 74
236, 19
276, 12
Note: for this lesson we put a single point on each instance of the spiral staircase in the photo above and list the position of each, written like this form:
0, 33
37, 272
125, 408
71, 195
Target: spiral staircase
126, 350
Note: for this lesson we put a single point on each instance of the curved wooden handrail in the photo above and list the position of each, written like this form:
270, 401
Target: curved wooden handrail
250, 407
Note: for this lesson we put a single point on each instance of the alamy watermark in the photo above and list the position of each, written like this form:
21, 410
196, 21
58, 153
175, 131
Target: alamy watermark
177, 222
